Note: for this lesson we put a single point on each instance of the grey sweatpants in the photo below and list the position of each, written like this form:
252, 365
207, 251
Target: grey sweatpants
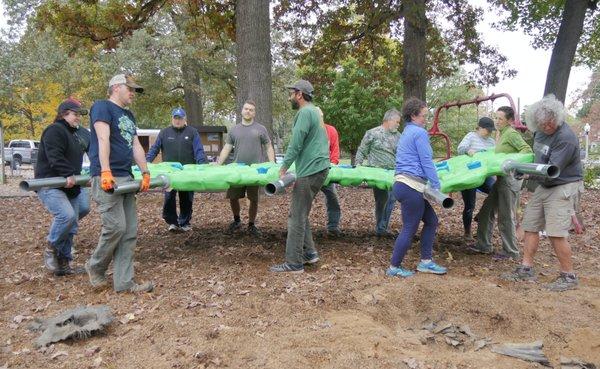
299, 237
118, 236
501, 200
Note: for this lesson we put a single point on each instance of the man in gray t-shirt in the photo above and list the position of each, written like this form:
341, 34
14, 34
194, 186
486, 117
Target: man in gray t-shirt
251, 144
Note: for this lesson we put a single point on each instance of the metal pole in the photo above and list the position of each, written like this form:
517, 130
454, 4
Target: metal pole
2, 174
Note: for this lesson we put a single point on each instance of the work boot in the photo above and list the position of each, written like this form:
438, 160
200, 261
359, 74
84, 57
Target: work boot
144, 287
566, 281
64, 268
50, 260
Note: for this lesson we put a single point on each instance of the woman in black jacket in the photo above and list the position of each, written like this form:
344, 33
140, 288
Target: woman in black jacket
60, 155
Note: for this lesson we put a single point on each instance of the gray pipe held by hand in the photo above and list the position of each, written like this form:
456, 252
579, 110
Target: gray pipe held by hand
279, 186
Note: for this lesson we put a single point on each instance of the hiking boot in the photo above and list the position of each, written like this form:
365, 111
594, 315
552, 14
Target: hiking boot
399, 272
521, 273
334, 233
64, 268
253, 231
311, 258
174, 228
565, 281
185, 228
144, 287
431, 267
50, 260
473, 249
287, 268
96, 280
235, 226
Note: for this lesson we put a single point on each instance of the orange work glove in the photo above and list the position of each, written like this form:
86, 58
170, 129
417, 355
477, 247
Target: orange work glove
107, 181
145, 185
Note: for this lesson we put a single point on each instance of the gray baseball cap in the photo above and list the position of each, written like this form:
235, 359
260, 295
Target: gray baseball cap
303, 86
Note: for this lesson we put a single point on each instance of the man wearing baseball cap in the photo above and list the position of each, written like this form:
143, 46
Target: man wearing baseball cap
60, 155
479, 140
178, 143
114, 146
309, 150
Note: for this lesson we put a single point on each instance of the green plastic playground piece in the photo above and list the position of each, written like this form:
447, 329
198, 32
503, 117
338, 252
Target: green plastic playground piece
458, 173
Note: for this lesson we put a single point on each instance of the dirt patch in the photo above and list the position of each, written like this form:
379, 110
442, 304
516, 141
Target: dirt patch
216, 304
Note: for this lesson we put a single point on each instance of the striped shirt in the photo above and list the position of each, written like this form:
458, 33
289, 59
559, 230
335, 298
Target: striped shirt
473, 141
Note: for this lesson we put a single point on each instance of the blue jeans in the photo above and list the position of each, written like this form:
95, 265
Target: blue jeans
384, 205
414, 210
64, 224
334, 212
186, 200
470, 198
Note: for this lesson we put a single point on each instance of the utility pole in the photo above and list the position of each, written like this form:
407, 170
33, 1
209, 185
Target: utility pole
586, 130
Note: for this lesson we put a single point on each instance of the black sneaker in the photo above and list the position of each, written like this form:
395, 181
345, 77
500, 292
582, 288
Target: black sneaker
287, 268
334, 233
311, 258
252, 230
233, 227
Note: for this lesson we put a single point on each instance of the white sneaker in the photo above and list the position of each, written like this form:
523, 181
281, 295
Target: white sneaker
186, 228
174, 228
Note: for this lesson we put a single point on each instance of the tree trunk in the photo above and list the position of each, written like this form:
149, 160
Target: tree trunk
253, 40
563, 53
413, 68
192, 92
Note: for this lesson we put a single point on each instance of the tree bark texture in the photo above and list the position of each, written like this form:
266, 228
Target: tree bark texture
413, 68
253, 41
563, 53
192, 91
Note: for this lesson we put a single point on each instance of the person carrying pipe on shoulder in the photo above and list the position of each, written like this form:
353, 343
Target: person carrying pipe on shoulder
309, 150
415, 172
251, 144
114, 146
479, 140
178, 143
504, 195
60, 155
378, 148
334, 213
552, 206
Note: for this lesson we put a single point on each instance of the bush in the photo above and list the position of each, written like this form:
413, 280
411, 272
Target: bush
591, 175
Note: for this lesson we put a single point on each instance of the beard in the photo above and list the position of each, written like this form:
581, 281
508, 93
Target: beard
295, 104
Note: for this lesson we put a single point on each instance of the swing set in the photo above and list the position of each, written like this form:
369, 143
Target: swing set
435, 130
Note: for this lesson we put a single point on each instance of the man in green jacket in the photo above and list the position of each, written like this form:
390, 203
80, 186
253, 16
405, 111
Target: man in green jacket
505, 192
309, 150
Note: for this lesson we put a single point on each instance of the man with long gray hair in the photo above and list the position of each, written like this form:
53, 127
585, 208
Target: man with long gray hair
378, 147
552, 206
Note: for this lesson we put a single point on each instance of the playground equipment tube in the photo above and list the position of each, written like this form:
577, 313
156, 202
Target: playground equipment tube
545, 170
160, 180
278, 186
439, 198
52, 182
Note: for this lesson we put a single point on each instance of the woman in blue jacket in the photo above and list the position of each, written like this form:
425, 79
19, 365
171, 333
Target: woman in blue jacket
414, 171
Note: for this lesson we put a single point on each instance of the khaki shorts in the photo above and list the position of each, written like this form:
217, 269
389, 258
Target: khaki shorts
241, 192
551, 209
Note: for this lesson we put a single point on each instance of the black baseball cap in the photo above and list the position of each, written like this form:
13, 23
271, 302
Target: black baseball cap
73, 105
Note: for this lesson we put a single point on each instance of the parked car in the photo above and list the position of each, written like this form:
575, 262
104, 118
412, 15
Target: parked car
21, 152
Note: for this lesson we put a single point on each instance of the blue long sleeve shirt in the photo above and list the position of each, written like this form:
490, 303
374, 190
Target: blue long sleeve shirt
414, 155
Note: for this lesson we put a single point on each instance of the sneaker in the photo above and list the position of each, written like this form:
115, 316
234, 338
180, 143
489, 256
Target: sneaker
431, 267
174, 228
287, 268
399, 272
96, 280
334, 233
565, 281
521, 273
144, 287
311, 258
252, 230
468, 238
186, 228
385, 234
50, 260
233, 227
